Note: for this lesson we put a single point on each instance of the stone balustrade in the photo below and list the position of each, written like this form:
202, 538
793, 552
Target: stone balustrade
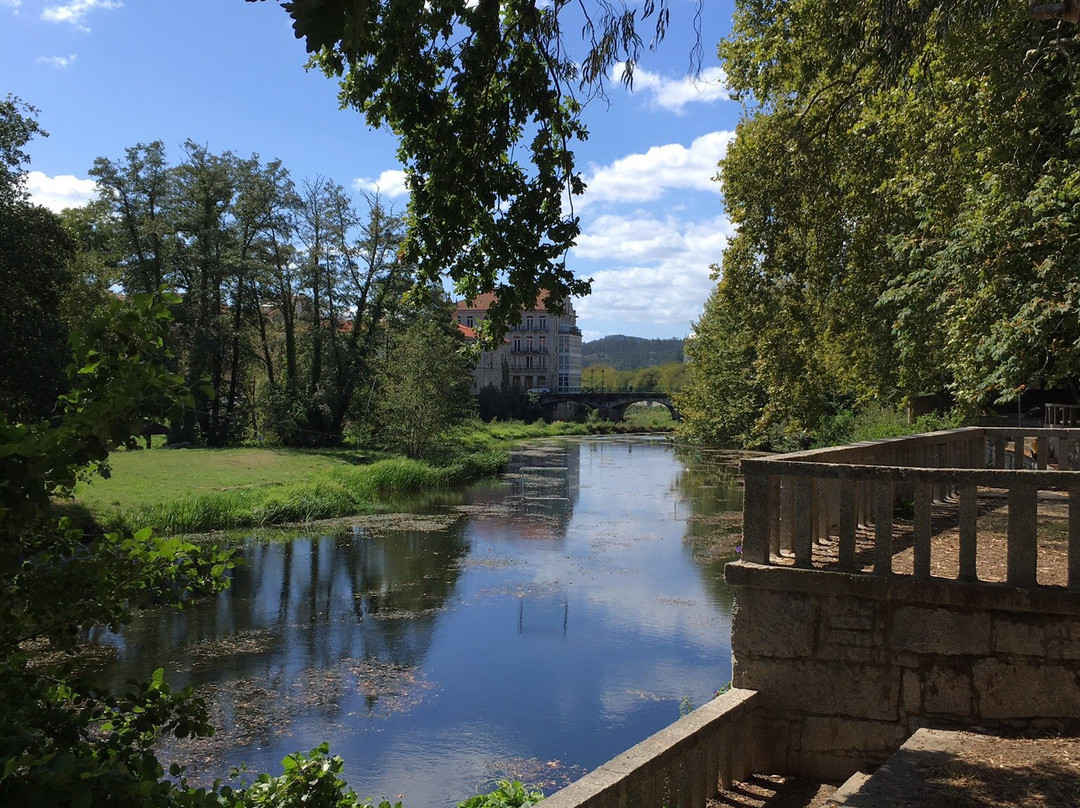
799, 501
682, 765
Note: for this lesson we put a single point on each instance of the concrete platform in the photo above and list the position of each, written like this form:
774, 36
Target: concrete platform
945, 769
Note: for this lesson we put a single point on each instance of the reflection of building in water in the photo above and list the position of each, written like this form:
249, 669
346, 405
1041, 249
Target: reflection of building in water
543, 485
543, 613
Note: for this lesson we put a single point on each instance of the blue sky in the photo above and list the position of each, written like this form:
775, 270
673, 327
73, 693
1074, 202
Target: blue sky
229, 74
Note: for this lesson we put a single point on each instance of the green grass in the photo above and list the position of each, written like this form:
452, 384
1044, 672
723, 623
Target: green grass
201, 490
143, 478
204, 490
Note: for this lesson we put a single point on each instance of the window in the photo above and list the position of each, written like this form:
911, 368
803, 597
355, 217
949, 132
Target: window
469, 321
543, 323
564, 381
528, 344
528, 362
528, 323
517, 343
543, 344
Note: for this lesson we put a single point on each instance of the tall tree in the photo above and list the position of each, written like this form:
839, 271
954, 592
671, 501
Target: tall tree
35, 253
902, 187
139, 190
18, 126
425, 381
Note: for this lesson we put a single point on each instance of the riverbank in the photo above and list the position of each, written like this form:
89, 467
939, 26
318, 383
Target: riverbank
187, 491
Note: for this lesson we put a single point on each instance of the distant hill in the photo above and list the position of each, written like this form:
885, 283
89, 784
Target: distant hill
631, 353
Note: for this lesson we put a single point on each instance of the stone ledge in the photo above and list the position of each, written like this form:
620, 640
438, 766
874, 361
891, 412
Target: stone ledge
932, 592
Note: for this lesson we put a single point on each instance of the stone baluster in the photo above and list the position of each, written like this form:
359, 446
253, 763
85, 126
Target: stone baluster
756, 514
803, 521
883, 522
1074, 536
1022, 551
848, 519
969, 514
921, 530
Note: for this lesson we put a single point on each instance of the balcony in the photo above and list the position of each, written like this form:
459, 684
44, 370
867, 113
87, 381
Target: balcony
840, 508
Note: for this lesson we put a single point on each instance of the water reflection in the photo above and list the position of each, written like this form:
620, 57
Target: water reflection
532, 627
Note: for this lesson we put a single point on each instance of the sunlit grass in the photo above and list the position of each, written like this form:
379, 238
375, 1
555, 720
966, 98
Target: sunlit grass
203, 490
199, 490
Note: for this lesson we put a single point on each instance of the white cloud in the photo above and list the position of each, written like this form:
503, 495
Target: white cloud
389, 183
674, 94
59, 192
11, 3
59, 62
77, 10
656, 272
645, 177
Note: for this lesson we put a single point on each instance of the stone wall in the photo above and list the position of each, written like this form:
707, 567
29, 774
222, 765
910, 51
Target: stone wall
849, 665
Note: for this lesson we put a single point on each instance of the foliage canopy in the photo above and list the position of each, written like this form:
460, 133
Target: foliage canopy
904, 186
481, 96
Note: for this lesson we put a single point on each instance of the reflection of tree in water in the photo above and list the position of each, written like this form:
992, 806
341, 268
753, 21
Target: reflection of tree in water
709, 485
308, 627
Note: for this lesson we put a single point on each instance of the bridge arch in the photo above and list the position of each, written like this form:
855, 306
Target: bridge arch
609, 406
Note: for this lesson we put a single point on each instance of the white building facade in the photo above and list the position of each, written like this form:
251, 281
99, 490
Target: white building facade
541, 353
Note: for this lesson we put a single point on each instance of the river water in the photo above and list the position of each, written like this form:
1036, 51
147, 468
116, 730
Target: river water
531, 627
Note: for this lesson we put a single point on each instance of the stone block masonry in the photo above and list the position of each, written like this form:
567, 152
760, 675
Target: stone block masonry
848, 665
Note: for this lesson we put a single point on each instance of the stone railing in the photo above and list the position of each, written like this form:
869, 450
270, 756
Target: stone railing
1061, 415
797, 502
681, 766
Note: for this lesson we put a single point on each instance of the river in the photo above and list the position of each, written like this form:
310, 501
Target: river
531, 627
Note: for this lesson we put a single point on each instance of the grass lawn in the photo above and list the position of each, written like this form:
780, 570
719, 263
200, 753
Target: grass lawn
203, 490
145, 478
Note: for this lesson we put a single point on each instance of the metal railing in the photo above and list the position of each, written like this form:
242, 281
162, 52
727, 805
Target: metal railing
797, 502
681, 766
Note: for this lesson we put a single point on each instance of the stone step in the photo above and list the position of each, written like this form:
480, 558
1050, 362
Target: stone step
940, 768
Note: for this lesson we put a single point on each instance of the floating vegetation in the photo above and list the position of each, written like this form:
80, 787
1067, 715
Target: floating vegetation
547, 775
677, 602
717, 536
491, 562
84, 656
418, 522
486, 510
403, 614
388, 687
544, 589
243, 712
646, 695
245, 642
252, 711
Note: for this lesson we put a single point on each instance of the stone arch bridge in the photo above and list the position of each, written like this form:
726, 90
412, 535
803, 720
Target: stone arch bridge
609, 406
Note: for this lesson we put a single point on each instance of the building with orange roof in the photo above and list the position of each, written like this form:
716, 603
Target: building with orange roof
541, 353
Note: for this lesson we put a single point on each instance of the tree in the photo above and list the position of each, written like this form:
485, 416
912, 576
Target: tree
722, 401
35, 251
18, 126
467, 88
425, 381
60, 739
902, 189
63, 741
